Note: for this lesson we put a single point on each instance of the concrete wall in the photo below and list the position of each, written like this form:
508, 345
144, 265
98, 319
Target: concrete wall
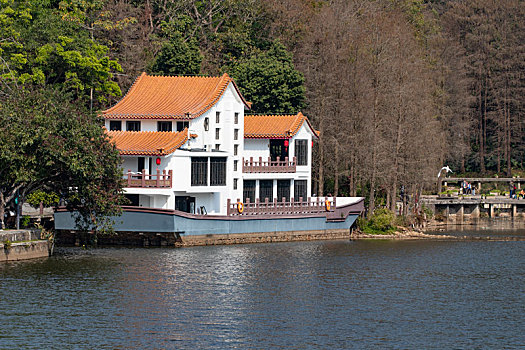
24, 250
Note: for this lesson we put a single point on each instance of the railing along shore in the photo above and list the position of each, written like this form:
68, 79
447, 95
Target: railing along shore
283, 207
269, 166
144, 180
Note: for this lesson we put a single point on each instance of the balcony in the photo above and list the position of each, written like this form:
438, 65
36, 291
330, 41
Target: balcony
144, 180
269, 166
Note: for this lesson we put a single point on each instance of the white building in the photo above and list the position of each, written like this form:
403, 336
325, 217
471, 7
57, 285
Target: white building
187, 145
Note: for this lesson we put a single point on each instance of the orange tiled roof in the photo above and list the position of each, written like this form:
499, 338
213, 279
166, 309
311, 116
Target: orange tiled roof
275, 126
148, 143
178, 97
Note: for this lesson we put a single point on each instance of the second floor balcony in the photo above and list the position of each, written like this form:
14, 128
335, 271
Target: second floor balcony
144, 180
269, 166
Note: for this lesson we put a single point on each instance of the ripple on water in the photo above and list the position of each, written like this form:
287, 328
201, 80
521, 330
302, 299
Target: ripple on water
340, 294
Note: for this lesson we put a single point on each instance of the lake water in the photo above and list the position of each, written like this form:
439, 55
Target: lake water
315, 295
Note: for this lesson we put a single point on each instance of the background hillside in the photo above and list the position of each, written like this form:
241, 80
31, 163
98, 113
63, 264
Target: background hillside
397, 88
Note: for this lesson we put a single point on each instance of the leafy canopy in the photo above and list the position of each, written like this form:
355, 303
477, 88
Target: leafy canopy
54, 46
178, 56
47, 141
270, 81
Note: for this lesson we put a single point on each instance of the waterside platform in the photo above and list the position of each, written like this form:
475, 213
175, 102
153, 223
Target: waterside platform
22, 245
460, 208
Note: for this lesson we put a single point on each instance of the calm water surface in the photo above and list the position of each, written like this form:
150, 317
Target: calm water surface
319, 295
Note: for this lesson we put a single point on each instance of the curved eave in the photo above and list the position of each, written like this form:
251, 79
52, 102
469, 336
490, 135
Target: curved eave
196, 111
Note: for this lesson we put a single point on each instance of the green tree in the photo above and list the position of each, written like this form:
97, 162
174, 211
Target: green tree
49, 141
178, 55
270, 81
54, 46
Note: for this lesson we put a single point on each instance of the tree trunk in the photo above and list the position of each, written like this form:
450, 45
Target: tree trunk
336, 172
2, 211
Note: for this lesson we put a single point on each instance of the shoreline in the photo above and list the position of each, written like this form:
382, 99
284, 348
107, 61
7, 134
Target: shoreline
405, 234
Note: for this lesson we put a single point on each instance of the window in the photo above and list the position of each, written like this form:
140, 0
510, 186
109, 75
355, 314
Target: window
218, 171
236, 134
115, 125
140, 164
182, 125
217, 133
278, 149
301, 152
199, 171
235, 183
283, 190
236, 118
235, 149
206, 124
235, 164
217, 117
164, 126
300, 189
248, 190
133, 125
266, 190
217, 147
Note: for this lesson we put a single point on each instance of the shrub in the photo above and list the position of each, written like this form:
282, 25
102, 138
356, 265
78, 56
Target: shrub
25, 221
47, 199
381, 222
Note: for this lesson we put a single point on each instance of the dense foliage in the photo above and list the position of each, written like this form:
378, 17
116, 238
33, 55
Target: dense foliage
48, 143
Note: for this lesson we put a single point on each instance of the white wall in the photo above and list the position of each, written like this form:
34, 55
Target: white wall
256, 148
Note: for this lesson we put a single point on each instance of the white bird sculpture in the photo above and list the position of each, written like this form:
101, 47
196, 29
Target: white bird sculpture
447, 170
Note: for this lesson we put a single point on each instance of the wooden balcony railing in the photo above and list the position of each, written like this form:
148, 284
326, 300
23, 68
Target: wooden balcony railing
143, 180
283, 207
269, 166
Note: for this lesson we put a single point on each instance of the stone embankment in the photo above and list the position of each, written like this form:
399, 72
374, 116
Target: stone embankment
22, 245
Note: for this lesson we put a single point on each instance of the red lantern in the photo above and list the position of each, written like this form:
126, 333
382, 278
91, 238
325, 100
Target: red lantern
285, 143
158, 161
312, 143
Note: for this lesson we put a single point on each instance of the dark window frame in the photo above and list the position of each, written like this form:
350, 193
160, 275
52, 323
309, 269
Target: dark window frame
235, 150
133, 125
248, 190
301, 152
218, 171
165, 125
115, 125
300, 189
199, 171
283, 190
181, 125
236, 118
235, 134
217, 133
266, 191
217, 117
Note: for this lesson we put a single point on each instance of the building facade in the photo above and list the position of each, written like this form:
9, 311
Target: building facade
187, 145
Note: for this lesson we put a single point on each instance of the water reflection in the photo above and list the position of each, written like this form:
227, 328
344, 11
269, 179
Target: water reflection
342, 294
